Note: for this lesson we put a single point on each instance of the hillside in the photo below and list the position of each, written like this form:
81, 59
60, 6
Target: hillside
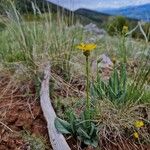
98, 18
85, 16
141, 12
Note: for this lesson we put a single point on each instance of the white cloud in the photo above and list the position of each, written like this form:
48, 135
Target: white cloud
75, 4
120, 3
94, 4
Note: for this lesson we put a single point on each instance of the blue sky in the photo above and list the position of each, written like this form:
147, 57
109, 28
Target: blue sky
95, 4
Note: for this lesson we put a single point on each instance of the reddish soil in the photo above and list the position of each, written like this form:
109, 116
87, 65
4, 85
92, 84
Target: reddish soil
20, 111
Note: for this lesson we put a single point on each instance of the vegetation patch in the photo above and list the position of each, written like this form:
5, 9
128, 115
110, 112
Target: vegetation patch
99, 87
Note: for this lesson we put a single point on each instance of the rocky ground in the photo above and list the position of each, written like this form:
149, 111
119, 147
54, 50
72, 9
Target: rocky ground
22, 124
19, 112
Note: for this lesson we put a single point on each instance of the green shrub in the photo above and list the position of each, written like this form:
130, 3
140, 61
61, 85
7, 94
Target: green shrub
115, 88
81, 128
115, 25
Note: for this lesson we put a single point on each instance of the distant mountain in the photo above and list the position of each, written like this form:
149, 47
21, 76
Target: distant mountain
95, 16
66, 13
85, 16
141, 12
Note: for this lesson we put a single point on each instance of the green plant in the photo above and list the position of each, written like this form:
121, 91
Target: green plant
123, 44
86, 49
138, 89
25, 42
80, 128
115, 25
35, 143
115, 88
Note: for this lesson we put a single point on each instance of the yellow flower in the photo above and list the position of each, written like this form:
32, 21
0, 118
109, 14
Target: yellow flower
125, 29
86, 47
136, 135
114, 60
139, 124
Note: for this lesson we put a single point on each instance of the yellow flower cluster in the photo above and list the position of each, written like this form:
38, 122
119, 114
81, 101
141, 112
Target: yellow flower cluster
86, 47
139, 124
136, 135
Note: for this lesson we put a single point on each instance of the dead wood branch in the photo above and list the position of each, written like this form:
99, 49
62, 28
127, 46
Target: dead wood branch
57, 140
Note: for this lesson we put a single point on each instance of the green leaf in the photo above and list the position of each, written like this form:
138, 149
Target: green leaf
92, 142
84, 119
93, 94
73, 122
92, 129
123, 76
83, 133
115, 81
62, 126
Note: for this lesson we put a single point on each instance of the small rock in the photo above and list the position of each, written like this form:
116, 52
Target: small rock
94, 29
103, 64
96, 32
104, 61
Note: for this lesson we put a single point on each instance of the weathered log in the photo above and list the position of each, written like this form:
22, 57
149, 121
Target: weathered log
57, 140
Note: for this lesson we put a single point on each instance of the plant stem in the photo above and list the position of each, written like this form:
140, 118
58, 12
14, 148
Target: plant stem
124, 51
87, 88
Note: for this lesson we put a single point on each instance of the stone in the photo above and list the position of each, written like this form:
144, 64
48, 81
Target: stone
94, 29
104, 65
